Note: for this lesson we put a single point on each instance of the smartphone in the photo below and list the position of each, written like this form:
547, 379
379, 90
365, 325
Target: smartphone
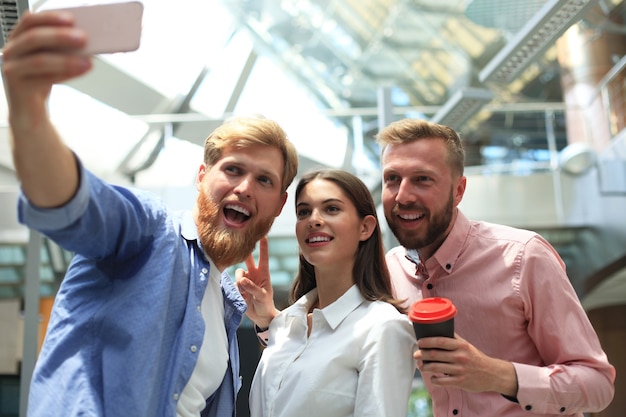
110, 27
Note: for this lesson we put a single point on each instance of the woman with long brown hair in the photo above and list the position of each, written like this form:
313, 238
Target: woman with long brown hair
343, 348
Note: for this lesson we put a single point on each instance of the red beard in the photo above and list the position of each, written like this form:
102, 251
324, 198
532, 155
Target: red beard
225, 246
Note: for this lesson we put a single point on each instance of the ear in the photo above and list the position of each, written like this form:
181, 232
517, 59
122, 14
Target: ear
200, 176
459, 190
368, 225
282, 204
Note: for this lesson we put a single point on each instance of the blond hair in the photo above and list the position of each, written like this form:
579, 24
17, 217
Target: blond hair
244, 131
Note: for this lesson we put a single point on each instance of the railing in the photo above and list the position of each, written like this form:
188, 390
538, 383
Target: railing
603, 90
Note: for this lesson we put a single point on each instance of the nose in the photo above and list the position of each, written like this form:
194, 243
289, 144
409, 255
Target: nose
315, 220
405, 193
244, 188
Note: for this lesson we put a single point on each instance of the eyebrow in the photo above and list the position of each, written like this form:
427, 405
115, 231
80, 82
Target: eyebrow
328, 200
413, 173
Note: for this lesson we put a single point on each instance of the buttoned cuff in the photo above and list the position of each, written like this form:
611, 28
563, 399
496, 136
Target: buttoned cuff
532, 384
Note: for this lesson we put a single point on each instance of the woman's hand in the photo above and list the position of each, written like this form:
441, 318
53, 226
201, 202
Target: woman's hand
255, 286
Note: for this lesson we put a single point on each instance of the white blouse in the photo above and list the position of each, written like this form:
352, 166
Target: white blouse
358, 361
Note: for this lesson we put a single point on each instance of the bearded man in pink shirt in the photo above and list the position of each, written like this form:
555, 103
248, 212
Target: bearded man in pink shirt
523, 342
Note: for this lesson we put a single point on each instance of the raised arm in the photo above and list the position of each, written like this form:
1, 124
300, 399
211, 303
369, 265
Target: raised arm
41, 52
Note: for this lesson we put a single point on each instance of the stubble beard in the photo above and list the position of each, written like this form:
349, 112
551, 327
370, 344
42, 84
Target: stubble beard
437, 226
226, 247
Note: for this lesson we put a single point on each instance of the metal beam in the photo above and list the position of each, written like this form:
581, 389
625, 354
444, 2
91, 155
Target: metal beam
534, 39
31, 318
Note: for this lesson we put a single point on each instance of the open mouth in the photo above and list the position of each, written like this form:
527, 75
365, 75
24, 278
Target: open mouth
236, 214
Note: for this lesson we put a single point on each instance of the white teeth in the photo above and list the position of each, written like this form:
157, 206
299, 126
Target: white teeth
319, 239
410, 216
238, 208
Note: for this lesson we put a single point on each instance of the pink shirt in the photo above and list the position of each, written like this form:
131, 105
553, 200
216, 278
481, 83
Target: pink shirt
514, 302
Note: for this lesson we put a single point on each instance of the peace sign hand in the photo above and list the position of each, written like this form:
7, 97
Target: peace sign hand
255, 287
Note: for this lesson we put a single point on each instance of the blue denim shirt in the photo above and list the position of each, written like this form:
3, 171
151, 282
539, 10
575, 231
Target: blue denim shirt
126, 326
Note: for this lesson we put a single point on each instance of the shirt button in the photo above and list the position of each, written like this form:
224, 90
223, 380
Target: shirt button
193, 348
175, 396
455, 411
204, 270
528, 407
198, 308
562, 410
448, 266
429, 286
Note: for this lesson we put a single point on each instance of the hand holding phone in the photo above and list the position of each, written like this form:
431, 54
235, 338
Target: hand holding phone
110, 28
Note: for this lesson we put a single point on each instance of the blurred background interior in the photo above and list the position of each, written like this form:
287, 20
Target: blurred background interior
536, 88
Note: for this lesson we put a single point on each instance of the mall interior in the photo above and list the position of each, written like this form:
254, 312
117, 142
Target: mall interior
536, 88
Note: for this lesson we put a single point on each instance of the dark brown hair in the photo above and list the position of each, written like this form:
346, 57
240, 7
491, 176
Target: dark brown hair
370, 272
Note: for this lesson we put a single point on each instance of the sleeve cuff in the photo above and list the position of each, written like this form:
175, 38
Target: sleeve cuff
262, 334
50, 219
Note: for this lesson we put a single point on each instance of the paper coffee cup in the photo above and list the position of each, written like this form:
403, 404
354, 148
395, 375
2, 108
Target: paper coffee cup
433, 316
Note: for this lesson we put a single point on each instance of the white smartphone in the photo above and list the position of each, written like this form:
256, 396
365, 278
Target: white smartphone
110, 27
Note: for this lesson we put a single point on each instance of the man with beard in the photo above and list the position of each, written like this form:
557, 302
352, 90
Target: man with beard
145, 321
523, 343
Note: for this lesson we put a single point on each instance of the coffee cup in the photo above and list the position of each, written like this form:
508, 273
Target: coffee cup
433, 316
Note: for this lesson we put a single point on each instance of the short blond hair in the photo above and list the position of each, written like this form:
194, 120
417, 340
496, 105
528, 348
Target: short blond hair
244, 131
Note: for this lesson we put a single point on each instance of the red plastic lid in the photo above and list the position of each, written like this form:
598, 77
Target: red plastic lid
432, 310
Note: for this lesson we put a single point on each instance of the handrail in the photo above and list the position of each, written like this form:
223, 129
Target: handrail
613, 72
